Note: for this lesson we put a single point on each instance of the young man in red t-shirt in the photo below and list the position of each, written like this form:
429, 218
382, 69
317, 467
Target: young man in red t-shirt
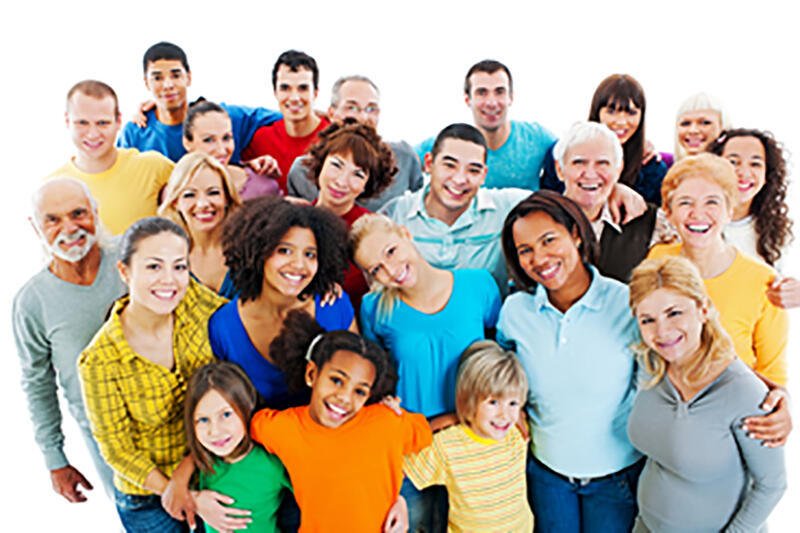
295, 79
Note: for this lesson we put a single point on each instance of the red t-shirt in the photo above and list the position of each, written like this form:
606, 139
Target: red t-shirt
273, 140
345, 478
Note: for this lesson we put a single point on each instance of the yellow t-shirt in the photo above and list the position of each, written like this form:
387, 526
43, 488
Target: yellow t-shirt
128, 190
758, 328
485, 479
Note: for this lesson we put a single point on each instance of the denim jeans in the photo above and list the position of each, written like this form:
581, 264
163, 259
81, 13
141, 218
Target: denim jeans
427, 508
605, 505
144, 514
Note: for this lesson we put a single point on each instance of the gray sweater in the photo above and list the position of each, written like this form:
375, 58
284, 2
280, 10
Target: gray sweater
703, 474
53, 321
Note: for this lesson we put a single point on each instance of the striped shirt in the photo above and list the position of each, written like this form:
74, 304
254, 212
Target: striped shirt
485, 479
135, 406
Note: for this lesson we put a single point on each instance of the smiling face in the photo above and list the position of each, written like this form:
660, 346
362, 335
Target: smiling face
65, 220
623, 123
589, 174
168, 81
340, 388
495, 417
293, 263
489, 98
295, 92
697, 129
202, 203
93, 126
547, 252
158, 273
671, 323
212, 134
341, 181
358, 99
457, 173
217, 425
698, 210
748, 158
389, 258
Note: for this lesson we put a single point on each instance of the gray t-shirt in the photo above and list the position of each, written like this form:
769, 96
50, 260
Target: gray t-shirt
703, 474
408, 178
53, 321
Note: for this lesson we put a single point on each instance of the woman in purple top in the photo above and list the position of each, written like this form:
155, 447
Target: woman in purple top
207, 128
281, 257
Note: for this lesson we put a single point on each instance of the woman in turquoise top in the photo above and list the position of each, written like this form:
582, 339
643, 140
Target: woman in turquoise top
424, 317
571, 328
199, 196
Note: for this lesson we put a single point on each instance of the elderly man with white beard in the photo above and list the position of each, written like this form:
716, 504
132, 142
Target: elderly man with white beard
56, 314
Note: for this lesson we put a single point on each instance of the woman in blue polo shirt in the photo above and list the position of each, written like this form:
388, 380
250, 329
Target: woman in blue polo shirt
571, 328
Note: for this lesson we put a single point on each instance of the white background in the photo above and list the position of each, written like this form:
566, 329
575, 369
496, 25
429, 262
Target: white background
417, 52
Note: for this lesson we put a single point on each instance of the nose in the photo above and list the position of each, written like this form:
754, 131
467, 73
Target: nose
168, 82
202, 200
693, 126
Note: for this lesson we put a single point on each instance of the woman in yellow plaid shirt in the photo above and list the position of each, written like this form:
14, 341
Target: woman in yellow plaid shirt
135, 371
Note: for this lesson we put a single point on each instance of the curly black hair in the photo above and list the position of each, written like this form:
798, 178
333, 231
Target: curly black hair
252, 233
366, 147
769, 208
289, 348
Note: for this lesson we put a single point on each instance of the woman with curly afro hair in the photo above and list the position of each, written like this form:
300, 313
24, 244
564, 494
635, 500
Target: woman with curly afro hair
760, 225
281, 257
349, 162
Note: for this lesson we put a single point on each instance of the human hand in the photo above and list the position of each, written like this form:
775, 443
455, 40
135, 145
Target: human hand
224, 519
393, 403
296, 200
266, 165
784, 292
65, 482
773, 428
397, 517
444, 421
623, 196
330, 297
140, 118
650, 153
177, 499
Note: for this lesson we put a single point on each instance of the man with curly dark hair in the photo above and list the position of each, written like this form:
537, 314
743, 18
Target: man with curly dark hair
357, 97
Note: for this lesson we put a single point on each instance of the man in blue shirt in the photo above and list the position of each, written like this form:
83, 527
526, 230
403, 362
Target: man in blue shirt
515, 150
455, 222
167, 77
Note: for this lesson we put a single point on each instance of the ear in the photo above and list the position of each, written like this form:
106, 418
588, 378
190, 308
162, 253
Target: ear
66, 118
467, 99
188, 78
428, 162
311, 373
124, 272
705, 311
405, 233
185, 143
316, 93
559, 170
510, 97
331, 111
35, 228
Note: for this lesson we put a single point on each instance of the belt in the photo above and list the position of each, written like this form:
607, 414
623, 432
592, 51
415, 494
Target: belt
583, 481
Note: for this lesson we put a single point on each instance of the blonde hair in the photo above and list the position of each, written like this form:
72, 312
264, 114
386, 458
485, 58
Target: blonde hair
710, 167
186, 169
485, 370
680, 275
700, 102
367, 224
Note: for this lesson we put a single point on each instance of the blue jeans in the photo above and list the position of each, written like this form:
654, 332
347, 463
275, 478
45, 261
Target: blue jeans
605, 505
427, 508
144, 514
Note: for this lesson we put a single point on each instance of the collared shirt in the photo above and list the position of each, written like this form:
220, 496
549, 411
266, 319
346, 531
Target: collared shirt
604, 218
581, 373
135, 406
473, 241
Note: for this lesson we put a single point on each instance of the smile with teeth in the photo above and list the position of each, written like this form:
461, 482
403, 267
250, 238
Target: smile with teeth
500, 426
294, 279
336, 193
548, 272
694, 141
669, 344
164, 294
458, 193
206, 216
746, 185
403, 275
221, 443
336, 412
93, 144
698, 228
589, 186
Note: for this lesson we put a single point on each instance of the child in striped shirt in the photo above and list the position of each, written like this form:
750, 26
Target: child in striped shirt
481, 460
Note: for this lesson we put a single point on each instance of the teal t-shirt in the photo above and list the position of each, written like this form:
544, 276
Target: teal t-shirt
255, 483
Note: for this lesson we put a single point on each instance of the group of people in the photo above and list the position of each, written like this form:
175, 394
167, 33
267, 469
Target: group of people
277, 321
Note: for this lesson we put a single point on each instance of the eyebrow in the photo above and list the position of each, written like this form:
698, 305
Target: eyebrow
478, 166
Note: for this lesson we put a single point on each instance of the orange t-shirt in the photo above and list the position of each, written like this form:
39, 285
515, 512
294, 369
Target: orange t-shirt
347, 478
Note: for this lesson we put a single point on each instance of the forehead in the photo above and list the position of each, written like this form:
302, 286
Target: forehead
662, 298
60, 198
357, 367
205, 177
160, 66
699, 185
533, 225
595, 148
301, 75
464, 151
708, 114
212, 401
490, 81
744, 144
358, 90
84, 105
373, 243
299, 236
163, 245
213, 120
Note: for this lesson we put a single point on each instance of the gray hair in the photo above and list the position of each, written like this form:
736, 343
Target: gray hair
337, 87
582, 132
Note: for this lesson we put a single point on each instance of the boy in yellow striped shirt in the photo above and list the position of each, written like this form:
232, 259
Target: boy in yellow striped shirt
481, 460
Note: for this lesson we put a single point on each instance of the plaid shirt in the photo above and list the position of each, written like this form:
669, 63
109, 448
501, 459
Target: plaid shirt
135, 406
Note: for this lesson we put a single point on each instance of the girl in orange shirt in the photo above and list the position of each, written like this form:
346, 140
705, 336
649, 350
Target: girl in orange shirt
344, 453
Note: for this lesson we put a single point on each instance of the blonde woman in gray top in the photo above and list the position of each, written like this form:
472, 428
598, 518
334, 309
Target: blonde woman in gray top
703, 473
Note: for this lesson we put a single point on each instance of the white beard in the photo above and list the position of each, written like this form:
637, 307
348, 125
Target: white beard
76, 253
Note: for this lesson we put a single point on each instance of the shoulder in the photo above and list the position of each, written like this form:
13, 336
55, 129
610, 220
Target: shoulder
199, 303
149, 158
475, 278
33, 294
398, 208
402, 150
532, 130
664, 250
744, 391
103, 349
753, 269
